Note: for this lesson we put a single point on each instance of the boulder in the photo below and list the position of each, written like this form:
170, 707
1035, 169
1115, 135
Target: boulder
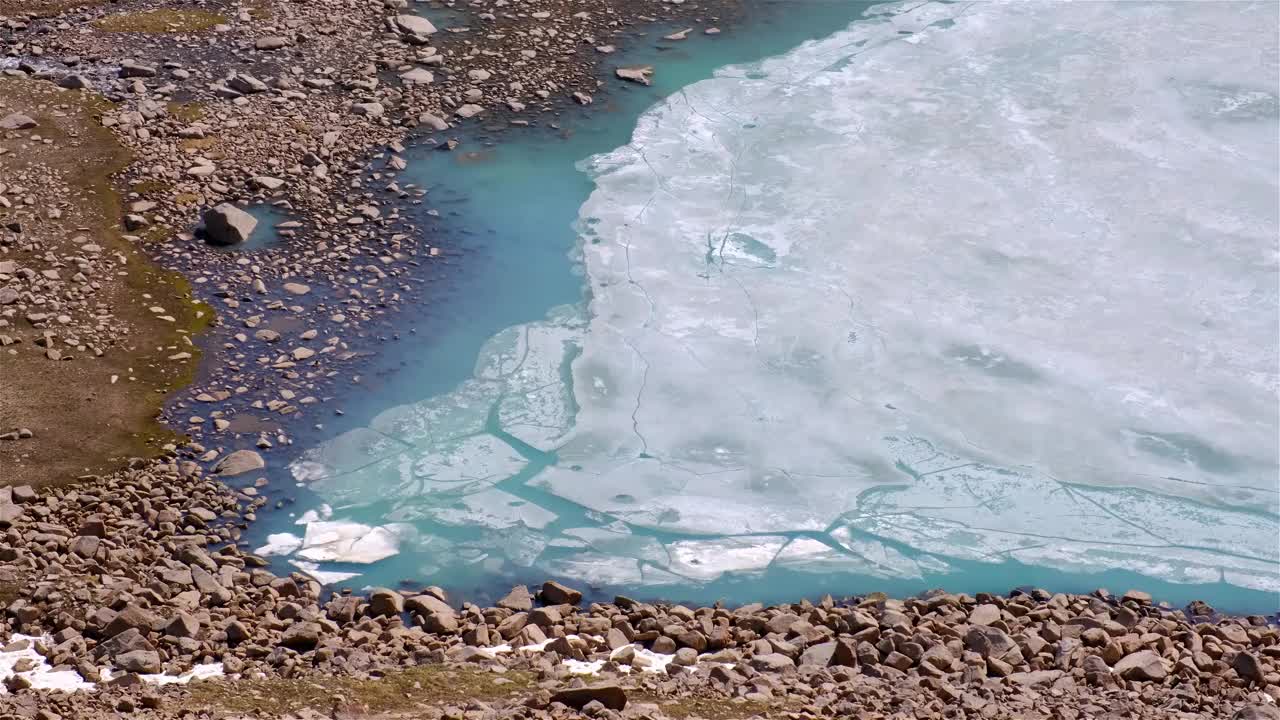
984, 614
772, 662
553, 593
640, 74
227, 224
131, 617
426, 605
990, 642
518, 600
609, 695
239, 463
139, 661
1142, 665
301, 636
384, 601
1248, 667
819, 655
418, 27
272, 42
246, 84
17, 121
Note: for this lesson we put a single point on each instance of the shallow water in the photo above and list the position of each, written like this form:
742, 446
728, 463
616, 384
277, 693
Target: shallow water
875, 314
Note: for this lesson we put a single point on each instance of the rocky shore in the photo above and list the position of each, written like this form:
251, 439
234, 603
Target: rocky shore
123, 578
304, 108
136, 574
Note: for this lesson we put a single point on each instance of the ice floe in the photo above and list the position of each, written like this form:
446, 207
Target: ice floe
959, 285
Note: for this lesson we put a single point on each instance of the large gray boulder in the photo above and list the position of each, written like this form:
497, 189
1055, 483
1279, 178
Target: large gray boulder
412, 25
227, 224
139, 661
239, 463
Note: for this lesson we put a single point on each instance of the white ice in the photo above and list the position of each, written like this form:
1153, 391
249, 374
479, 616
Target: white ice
343, 541
963, 282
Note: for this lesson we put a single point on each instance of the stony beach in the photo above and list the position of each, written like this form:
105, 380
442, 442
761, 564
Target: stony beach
146, 373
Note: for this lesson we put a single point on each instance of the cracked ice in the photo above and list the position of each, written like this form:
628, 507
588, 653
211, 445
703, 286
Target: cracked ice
959, 283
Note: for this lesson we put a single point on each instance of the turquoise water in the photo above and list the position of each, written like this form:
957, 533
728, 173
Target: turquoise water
508, 200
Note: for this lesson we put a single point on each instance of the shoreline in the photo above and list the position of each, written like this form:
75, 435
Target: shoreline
153, 520
103, 586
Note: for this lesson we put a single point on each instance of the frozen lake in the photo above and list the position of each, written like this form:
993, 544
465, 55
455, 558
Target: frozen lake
961, 295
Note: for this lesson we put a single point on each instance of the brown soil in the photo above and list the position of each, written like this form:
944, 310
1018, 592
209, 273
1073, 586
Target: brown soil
82, 421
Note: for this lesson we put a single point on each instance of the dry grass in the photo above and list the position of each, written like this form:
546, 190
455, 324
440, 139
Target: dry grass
708, 708
407, 689
188, 112
160, 21
83, 422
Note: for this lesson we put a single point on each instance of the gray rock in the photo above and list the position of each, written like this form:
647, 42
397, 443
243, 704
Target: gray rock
139, 661
772, 662
384, 601
75, 82
272, 42
609, 695
639, 74
1142, 665
368, 109
227, 224
553, 593
990, 642
432, 121
427, 604
17, 121
518, 599
984, 614
819, 655
1248, 667
131, 69
247, 84
301, 636
418, 76
419, 27
239, 463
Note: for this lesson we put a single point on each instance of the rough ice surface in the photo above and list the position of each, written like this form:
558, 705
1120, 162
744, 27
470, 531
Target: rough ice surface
963, 283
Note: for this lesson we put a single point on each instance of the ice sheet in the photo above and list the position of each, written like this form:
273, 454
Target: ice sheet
962, 283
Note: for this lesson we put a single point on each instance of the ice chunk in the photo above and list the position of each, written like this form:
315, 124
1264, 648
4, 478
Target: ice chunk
343, 541
280, 544
709, 559
325, 577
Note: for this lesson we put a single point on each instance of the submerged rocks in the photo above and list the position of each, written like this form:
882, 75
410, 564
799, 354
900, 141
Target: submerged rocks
227, 224
641, 74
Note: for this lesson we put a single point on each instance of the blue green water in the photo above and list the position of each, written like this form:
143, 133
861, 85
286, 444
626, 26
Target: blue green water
507, 201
